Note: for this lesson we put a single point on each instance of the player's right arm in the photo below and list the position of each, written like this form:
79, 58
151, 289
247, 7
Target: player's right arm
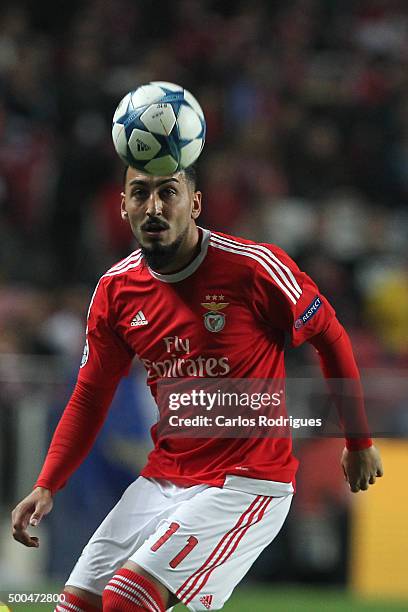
106, 359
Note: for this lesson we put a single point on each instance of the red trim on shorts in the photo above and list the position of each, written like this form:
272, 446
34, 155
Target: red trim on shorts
226, 540
220, 561
208, 560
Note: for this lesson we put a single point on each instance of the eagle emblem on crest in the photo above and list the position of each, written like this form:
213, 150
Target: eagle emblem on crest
214, 319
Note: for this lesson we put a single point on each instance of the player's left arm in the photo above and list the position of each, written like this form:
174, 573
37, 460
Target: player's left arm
288, 295
361, 461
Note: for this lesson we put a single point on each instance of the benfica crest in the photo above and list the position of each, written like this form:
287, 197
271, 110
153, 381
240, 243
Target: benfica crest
214, 319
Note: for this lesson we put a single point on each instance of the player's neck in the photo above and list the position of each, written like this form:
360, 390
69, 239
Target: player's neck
189, 250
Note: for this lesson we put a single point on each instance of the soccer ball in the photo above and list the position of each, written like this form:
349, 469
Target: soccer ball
159, 128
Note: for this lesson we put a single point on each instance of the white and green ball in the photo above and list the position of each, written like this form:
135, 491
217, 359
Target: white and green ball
159, 128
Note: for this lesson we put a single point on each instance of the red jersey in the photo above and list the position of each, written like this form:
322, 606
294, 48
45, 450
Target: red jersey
169, 322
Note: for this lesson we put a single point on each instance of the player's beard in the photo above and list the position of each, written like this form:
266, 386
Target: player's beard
159, 256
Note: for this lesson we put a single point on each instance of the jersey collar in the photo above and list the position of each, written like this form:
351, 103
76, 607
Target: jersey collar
192, 266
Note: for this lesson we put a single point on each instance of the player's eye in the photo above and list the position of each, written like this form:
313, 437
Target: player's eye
140, 194
168, 192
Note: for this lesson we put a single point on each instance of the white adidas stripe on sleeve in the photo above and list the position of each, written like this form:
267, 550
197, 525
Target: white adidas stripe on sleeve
129, 266
124, 262
283, 270
263, 263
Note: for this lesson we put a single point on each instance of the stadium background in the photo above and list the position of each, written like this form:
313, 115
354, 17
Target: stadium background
306, 104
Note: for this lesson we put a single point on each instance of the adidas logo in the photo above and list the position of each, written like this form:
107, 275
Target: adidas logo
206, 600
139, 320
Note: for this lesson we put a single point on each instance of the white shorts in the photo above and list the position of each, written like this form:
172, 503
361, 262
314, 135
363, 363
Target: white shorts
198, 541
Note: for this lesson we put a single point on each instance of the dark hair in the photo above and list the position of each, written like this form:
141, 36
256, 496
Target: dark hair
190, 173
191, 176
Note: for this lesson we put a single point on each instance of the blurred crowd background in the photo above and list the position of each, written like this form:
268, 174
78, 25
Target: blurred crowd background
306, 103
307, 110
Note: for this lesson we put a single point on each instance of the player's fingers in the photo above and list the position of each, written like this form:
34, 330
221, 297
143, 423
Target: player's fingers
354, 487
372, 479
19, 518
15, 515
41, 509
380, 471
25, 520
364, 485
23, 537
36, 518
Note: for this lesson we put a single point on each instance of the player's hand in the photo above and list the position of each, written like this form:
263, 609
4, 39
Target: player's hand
361, 468
30, 512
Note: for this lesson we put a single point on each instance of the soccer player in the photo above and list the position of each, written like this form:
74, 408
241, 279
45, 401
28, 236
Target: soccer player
189, 528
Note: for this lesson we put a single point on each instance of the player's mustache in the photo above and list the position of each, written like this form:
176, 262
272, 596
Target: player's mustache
154, 225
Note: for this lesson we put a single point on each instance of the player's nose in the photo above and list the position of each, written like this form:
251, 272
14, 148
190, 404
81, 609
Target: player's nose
154, 206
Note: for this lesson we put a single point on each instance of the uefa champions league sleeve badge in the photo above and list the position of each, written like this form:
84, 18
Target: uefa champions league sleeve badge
85, 354
214, 319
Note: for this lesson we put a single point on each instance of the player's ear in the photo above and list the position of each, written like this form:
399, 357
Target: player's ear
196, 208
123, 211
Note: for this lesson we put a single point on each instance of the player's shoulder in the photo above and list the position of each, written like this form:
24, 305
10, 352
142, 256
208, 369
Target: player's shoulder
254, 252
266, 262
124, 267
117, 275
